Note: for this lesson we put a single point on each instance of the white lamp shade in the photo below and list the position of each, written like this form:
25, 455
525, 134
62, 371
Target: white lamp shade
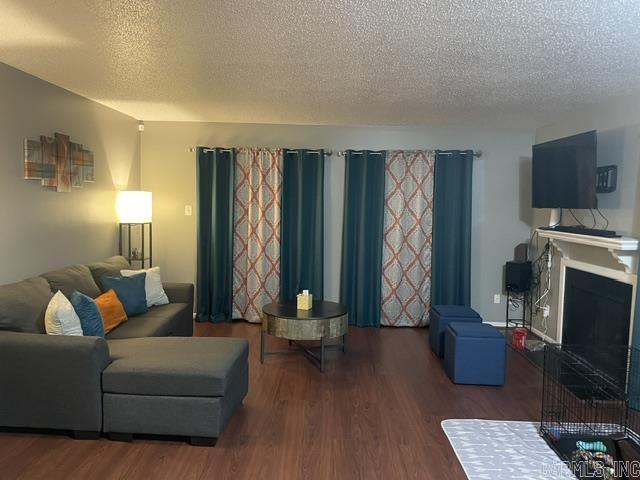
134, 206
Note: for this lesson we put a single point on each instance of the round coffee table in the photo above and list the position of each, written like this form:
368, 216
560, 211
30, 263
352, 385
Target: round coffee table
324, 321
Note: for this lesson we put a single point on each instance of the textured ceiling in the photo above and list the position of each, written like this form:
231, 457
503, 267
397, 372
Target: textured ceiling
391, 62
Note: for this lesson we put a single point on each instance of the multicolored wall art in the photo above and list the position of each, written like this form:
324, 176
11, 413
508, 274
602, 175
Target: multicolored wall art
57, 162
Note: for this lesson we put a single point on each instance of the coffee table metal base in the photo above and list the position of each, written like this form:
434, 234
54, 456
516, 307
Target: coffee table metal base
314, 354
323, 322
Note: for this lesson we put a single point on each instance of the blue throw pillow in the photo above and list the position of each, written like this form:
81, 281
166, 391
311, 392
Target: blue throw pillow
130, 291
89, 313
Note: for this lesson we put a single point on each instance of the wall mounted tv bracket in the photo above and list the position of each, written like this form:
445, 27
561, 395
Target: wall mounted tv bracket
606, 179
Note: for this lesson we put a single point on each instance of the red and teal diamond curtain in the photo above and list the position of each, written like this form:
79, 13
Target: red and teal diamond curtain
253, 247
406, 238
260, 232
406, 247
256, 231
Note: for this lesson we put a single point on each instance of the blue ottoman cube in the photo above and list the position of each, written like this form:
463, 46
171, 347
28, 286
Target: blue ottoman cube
439, 318
475, 354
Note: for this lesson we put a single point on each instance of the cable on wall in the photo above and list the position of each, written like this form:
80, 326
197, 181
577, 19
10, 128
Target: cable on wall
606, 220
543, 265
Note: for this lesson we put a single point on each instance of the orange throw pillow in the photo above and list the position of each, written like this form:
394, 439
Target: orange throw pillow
111, 309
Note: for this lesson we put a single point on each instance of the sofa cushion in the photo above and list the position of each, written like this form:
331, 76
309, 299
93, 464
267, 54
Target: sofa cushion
111, 310
89, 313
110, 267
152, 285
177, 313
159, 321
130, 291
142, 326
23, 304
176, 366
70, 279
61, 318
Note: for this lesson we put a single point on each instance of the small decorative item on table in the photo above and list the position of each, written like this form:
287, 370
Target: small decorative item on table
304, 300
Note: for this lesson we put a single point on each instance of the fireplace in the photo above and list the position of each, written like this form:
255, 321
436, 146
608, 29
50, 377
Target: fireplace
597, 309
596, 317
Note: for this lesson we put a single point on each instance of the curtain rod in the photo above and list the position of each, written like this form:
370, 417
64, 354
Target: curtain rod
340, 153
476, 153
211, 149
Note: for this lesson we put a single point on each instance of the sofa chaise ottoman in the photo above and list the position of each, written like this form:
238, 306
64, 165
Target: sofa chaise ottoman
174, 386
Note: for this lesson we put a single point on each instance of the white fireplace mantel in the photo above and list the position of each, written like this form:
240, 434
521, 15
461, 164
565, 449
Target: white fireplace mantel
625, 250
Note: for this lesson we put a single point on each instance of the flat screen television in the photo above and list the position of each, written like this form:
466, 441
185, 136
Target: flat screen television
564, 172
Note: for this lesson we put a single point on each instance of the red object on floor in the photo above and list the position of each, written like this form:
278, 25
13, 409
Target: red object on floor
518, 337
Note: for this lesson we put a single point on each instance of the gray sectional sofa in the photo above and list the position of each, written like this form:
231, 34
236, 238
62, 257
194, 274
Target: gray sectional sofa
145, 377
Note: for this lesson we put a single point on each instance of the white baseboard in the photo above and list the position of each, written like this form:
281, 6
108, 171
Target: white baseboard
499, 324
546, 338
543, 336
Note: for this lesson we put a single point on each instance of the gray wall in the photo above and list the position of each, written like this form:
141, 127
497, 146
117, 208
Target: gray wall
617, 122
42, 230
501, 208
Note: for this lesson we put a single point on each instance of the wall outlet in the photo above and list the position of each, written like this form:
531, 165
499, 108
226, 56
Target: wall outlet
545, 311
188, 211
496, 298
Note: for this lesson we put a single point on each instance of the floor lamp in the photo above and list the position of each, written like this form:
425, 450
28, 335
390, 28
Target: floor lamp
134, 209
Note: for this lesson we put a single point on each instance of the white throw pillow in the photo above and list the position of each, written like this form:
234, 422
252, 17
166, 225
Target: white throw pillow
152, 285
60, 317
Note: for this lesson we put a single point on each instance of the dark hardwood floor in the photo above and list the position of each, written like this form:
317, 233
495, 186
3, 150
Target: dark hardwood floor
374, 414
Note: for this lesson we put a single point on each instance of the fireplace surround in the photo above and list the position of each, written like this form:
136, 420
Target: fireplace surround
599, 264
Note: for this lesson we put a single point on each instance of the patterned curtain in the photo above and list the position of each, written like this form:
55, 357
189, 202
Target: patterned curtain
256, 246
406, 251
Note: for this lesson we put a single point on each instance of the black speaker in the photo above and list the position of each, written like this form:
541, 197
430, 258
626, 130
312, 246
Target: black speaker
517, 276
521, 252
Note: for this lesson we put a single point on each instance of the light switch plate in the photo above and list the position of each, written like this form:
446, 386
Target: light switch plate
496, 298
188, 211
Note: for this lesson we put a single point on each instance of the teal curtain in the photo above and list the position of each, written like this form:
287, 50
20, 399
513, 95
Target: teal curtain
215, 234
302, 232
361, 276
451, 251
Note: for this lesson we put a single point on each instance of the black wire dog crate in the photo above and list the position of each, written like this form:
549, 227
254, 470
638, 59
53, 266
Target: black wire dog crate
591, 407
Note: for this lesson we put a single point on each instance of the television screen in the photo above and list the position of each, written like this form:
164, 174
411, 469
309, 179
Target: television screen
564, 172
